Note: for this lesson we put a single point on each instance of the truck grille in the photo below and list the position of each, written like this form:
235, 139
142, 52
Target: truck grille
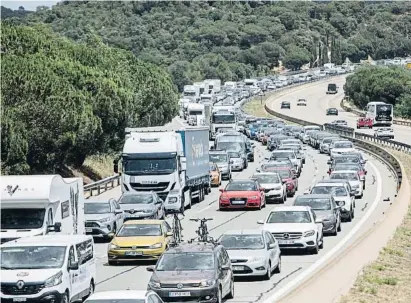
238, 261
174, 285
161, 186
287, 236
27, 289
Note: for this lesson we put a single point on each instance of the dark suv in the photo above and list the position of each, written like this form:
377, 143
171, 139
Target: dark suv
285, 104
195, 271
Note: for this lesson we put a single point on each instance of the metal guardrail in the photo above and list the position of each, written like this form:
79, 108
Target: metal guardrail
362, 114
101, 186
360, 141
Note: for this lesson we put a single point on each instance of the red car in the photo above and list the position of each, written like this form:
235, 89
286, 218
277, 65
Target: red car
289, 177
242, 194
364, 122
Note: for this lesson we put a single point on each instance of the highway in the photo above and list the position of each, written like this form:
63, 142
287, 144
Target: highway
318, 102
368, 210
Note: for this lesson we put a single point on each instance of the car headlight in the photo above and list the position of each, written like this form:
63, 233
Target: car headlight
104, 220
172, 199
154, 284
309, 233
54, 280
207, 283
112, 246
256, 259
157, 245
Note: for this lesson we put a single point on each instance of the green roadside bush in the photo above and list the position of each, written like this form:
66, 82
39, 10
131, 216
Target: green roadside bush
63, 101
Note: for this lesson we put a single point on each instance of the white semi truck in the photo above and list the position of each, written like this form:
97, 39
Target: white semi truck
41, 204
213, 86
194, 110
191, 92
222, 117
174, 163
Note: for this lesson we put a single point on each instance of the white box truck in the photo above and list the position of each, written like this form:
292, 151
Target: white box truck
41, 204
174, 163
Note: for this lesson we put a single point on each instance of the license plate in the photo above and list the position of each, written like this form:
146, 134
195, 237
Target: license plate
133, 253
285, 241
88, 230
19, 299
180, 294
238, 267
238, 202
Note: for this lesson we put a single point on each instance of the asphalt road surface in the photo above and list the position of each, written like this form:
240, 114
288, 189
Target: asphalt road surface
368, 210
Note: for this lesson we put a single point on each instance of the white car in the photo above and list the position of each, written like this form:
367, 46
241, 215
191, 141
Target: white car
290, 154
252, 252
299, 151
325, 144
275, 189
302, 102
236, 161
339, 123
341, 147
352, 177
124, 296
384, 133
342, 195
295, 227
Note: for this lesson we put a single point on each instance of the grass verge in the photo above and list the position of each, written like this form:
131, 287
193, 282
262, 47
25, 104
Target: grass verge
95, 168
388, 278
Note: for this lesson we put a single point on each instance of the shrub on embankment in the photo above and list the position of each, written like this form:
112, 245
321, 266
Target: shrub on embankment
63, 101
380, 83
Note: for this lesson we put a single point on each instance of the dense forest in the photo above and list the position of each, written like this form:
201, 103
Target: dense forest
62, 101
232, 40
387, 84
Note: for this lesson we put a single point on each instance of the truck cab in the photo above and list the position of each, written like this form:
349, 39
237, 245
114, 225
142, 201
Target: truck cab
41, 204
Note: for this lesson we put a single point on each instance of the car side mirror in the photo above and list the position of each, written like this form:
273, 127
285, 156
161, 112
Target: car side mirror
118, 211
306, 192
260, 222
56, 227
352, 193
169, 234
150, 268
73, 266
221, 190
225, 267
329, 162
365, 172
284, 181
271, 246
258, 170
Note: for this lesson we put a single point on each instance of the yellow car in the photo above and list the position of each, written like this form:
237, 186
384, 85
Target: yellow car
215, 175
139, 240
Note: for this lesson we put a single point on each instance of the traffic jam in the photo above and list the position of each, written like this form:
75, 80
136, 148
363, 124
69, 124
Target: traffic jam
137, 226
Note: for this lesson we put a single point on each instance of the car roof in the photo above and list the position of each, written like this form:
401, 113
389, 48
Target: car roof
342, 171
242, 180
119, 294
333, 182
192, 247
322, 196
48, 240
138, 222
265, 173
290, 208
98, 201
255, 231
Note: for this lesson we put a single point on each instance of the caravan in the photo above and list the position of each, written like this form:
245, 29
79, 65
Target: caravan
41, 204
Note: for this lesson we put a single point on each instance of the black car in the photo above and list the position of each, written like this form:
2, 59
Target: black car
332, 88
285, 104
199, 270
332, 111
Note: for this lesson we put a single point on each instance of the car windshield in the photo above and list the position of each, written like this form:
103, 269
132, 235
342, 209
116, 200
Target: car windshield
234, 155
189, 261
241, 186
136, 230
343, 145
353, 167
343, 160
264, 179
347, 175
314, 203
136, 198
213, 167
218, 158
327, 140
32, 257
246, 242
284, 173
289, 217
293, 142
283, 154
96, 208
338, 191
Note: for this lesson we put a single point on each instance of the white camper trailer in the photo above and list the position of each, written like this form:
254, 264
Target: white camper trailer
41, 204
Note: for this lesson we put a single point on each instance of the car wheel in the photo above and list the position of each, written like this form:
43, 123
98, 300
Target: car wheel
231, 293
277, 270
314, 250
335, 231
219, 296
65, 298
339, 226
90, 291
352, 214
349, 219
267, 275
321, 246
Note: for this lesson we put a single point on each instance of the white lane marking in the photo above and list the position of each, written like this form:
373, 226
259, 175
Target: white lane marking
205, 208
309, 271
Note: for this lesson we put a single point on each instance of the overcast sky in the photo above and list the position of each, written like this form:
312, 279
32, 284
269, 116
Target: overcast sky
28, 5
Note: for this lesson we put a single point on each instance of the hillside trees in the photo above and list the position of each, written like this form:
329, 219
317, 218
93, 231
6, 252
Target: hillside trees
62, 101
387, 84
190, 37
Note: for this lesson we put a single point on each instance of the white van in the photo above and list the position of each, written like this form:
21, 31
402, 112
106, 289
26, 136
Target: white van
50, 268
